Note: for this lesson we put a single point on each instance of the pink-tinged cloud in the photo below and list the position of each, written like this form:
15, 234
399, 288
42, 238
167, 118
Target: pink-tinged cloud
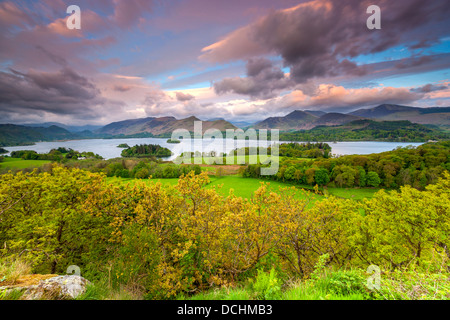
128, 12
264, 80
319, 38
64, 92
11, 15
59, 27
200, 14
332, 97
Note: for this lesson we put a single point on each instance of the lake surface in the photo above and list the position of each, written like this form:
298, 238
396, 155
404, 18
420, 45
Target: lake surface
107, 148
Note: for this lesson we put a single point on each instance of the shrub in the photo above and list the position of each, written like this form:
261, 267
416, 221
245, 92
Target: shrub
142, 174
266, 285
12, 270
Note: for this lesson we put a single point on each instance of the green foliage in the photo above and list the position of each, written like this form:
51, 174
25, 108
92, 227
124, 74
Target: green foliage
58, 155
344, 283
368, 130
146, 150
319, 267
15, 135
321, 177
160, 242
304, 150
372, 179
266, 285
417, 167
413, 285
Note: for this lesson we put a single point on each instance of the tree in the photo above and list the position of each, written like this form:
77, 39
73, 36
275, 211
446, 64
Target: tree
142, 174
361, 177
322, 177
373, 180
310, 175
289, 174
406, 227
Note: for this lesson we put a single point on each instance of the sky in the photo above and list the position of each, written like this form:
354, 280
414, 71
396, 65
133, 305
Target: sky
241, 60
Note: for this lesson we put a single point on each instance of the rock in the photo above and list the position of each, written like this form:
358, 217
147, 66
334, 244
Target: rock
55, 288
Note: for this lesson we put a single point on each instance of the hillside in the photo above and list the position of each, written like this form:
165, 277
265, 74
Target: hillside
368, 130
392, 112
296, 120
70, 128
11, 135
335, 119
160, 126
305, 120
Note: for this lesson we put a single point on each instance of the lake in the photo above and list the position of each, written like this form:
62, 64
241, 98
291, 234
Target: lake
107, 148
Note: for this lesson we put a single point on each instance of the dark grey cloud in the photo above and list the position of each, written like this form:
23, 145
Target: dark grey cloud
318, 39
64, 92
184, 96
264, 80
429, 88
121, 88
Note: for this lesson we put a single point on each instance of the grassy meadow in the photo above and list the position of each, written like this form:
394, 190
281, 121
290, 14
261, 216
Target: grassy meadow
15, 163
245, 187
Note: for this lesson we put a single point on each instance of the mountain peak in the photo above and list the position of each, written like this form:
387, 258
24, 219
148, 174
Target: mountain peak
192, 118
296, 114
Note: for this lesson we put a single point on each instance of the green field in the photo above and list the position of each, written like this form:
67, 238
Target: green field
352, 193
14, 163
237, 160
243, 187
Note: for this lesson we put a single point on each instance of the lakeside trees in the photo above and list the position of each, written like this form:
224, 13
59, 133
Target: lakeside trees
146, 150
60, 154
416, 167
369, 130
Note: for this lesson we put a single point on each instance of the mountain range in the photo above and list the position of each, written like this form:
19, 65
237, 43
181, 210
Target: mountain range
160, 126
306, 120
11, 134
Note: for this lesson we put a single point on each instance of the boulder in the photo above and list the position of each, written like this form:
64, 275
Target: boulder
54, 288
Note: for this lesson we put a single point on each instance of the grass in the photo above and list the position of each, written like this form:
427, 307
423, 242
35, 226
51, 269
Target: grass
11, 271
243, 187
353, 193
330, 285
15, 163
237, 160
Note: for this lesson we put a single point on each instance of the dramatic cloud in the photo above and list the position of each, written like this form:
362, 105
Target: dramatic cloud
319, 39
59, 93
136, 58
430, 88
329, 97
263, 80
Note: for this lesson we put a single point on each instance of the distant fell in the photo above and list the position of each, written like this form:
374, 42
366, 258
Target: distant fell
13, 135
161, 126
439, 116
296, 120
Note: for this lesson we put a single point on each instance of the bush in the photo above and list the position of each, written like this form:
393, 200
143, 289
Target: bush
413, 285
343, 283
266, 285
142, 174
12, 270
